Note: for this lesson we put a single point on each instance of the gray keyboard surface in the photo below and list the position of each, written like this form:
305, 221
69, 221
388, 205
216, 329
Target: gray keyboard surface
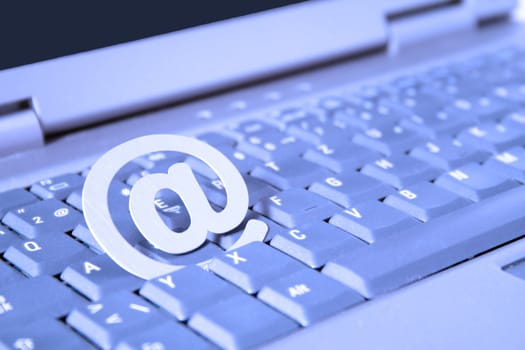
362, 194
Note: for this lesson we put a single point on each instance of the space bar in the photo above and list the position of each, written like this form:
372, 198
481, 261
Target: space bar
415, 253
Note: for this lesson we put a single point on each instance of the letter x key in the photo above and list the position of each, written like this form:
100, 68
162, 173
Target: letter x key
236, 258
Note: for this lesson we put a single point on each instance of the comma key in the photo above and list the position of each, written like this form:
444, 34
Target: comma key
49, 215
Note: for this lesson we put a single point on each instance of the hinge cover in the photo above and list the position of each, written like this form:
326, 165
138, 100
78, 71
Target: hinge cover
20, 128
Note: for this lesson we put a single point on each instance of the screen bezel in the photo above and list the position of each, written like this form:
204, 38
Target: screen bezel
82, 89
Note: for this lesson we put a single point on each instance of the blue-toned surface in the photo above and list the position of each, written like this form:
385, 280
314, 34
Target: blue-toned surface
308, 296
183, 292
253, 265
241, 322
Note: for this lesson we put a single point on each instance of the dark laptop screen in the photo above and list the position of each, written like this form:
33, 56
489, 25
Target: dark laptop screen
36, 31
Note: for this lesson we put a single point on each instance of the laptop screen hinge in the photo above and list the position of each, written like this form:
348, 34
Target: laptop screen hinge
20, 127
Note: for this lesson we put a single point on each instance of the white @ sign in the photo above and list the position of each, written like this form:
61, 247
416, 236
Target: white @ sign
179, 179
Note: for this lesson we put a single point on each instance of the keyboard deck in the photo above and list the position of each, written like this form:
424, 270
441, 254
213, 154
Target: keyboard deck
362, 195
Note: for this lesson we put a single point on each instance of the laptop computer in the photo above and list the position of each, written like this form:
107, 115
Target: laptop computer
381, 144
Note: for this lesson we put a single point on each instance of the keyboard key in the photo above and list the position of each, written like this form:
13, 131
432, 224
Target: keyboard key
399, 171
75, 199
226, 240
9, 275
124, 173
447, 154
82, 233
47, 216
294, 207
38, 297
332, 103
318, 129
366, 114
290, 115
425, 201
253, 265
252, 127
46, 255
168, 335
510, 163
118, 203
436, 124
492, 137
340, 156
474, 182
199, 256
349, 188
308, 296
388, 141
168, 204
272, 145
7, 238
44, 333
292, 172
427, 117
371, 221
159, 162
98, 276
57, 187
107, 321
242, 161
422, 250
231, 323
217, 139
511, 92
154, 163
185, 291
482, 108
516, 119
13, 199
257, 190
315, 243
172, 210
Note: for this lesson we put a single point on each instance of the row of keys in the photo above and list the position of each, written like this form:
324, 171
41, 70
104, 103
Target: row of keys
291, 208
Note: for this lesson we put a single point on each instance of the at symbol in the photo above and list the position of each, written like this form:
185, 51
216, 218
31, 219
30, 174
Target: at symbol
181, 180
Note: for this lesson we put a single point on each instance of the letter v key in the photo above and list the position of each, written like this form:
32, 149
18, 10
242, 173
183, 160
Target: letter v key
354, 212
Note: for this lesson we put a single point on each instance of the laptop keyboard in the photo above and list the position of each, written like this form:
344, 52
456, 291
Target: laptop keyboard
362, 194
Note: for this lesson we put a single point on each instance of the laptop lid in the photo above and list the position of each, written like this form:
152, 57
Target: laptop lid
64, 93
